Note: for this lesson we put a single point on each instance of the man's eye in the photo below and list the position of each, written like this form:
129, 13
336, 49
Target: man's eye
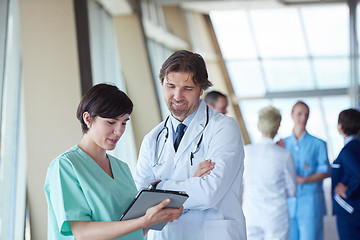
189, 89
111, 123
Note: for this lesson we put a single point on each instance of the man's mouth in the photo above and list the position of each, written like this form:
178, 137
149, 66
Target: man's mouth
113, 140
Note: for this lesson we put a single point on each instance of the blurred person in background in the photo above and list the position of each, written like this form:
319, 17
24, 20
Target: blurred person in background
345, 176
217, 101
312, 167
269, 179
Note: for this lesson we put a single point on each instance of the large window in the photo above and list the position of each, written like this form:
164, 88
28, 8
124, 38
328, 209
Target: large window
12, 152
278, 56
160, 44
106, 68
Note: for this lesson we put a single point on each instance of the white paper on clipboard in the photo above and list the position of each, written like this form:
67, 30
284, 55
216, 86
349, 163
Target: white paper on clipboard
148, 198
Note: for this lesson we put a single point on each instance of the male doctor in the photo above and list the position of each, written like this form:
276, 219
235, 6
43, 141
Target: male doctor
181, 157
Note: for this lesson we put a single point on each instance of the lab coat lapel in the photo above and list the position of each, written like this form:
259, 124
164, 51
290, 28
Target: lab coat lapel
170, 144
194, 130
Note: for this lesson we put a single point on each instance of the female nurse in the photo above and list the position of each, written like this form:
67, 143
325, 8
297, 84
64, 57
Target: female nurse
345, 176
312, 167
87, 190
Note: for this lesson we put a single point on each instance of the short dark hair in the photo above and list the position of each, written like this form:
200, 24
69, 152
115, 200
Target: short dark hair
300, 103
350, 121
212, 97
103, 100
185, 61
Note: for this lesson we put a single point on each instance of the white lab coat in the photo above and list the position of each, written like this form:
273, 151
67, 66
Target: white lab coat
213, 209
269, 179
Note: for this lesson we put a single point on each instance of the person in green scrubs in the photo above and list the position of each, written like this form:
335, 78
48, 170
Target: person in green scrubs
87, 190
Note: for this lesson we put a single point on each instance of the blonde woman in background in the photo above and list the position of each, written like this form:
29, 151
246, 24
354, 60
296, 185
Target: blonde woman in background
269, 179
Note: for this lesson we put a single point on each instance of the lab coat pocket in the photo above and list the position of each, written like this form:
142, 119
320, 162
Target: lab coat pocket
222, 229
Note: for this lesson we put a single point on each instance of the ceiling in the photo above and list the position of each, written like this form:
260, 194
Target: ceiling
206, 6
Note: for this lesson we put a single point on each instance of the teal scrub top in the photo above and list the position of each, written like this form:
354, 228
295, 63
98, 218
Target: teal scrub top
77, 189
310, 156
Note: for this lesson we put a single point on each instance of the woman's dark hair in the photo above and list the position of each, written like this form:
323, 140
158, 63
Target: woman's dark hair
350, 121
185, 61
103, 100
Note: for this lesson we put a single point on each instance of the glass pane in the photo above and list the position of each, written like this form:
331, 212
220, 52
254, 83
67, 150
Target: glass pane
246, 78
327, 30
278, 32
332, 73
233, 32
106, 67
12, 173
250, 110
286, 75
158, 55
359, 74
332, 107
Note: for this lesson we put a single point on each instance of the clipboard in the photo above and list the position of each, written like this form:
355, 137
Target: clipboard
147, 198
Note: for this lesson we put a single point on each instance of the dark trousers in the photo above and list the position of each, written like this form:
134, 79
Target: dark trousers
348, 226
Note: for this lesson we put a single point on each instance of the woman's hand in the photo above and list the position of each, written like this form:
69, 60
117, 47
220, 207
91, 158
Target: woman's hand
204, 168
158, 214
111, 230
300, 180
281, 143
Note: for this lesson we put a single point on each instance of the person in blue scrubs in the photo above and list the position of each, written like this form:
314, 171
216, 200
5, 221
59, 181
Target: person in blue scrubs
312, 167
87, 190
345, 176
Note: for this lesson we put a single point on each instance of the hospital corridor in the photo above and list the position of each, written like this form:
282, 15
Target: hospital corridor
100, 99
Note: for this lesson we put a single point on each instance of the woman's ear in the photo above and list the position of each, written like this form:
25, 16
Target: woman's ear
87, 119
339, 128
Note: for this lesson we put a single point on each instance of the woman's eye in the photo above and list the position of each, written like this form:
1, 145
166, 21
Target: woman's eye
124, 123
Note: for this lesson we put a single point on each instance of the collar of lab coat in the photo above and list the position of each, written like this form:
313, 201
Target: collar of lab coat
194, 130
175, 122
266, 140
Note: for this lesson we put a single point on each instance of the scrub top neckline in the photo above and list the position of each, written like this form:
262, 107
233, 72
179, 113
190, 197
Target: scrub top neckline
97, 168
301, 138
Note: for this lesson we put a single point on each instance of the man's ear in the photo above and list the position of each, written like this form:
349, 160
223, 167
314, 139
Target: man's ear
87, 119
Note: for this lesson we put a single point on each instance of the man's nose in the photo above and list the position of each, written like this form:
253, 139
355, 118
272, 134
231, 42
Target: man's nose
178, 95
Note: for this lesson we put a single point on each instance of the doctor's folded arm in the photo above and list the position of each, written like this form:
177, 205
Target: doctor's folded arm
204, 158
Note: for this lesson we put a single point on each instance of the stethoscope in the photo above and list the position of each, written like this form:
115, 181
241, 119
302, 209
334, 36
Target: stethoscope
166, 129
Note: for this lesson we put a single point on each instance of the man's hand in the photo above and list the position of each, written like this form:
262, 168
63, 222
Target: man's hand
204, 168
341, 189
